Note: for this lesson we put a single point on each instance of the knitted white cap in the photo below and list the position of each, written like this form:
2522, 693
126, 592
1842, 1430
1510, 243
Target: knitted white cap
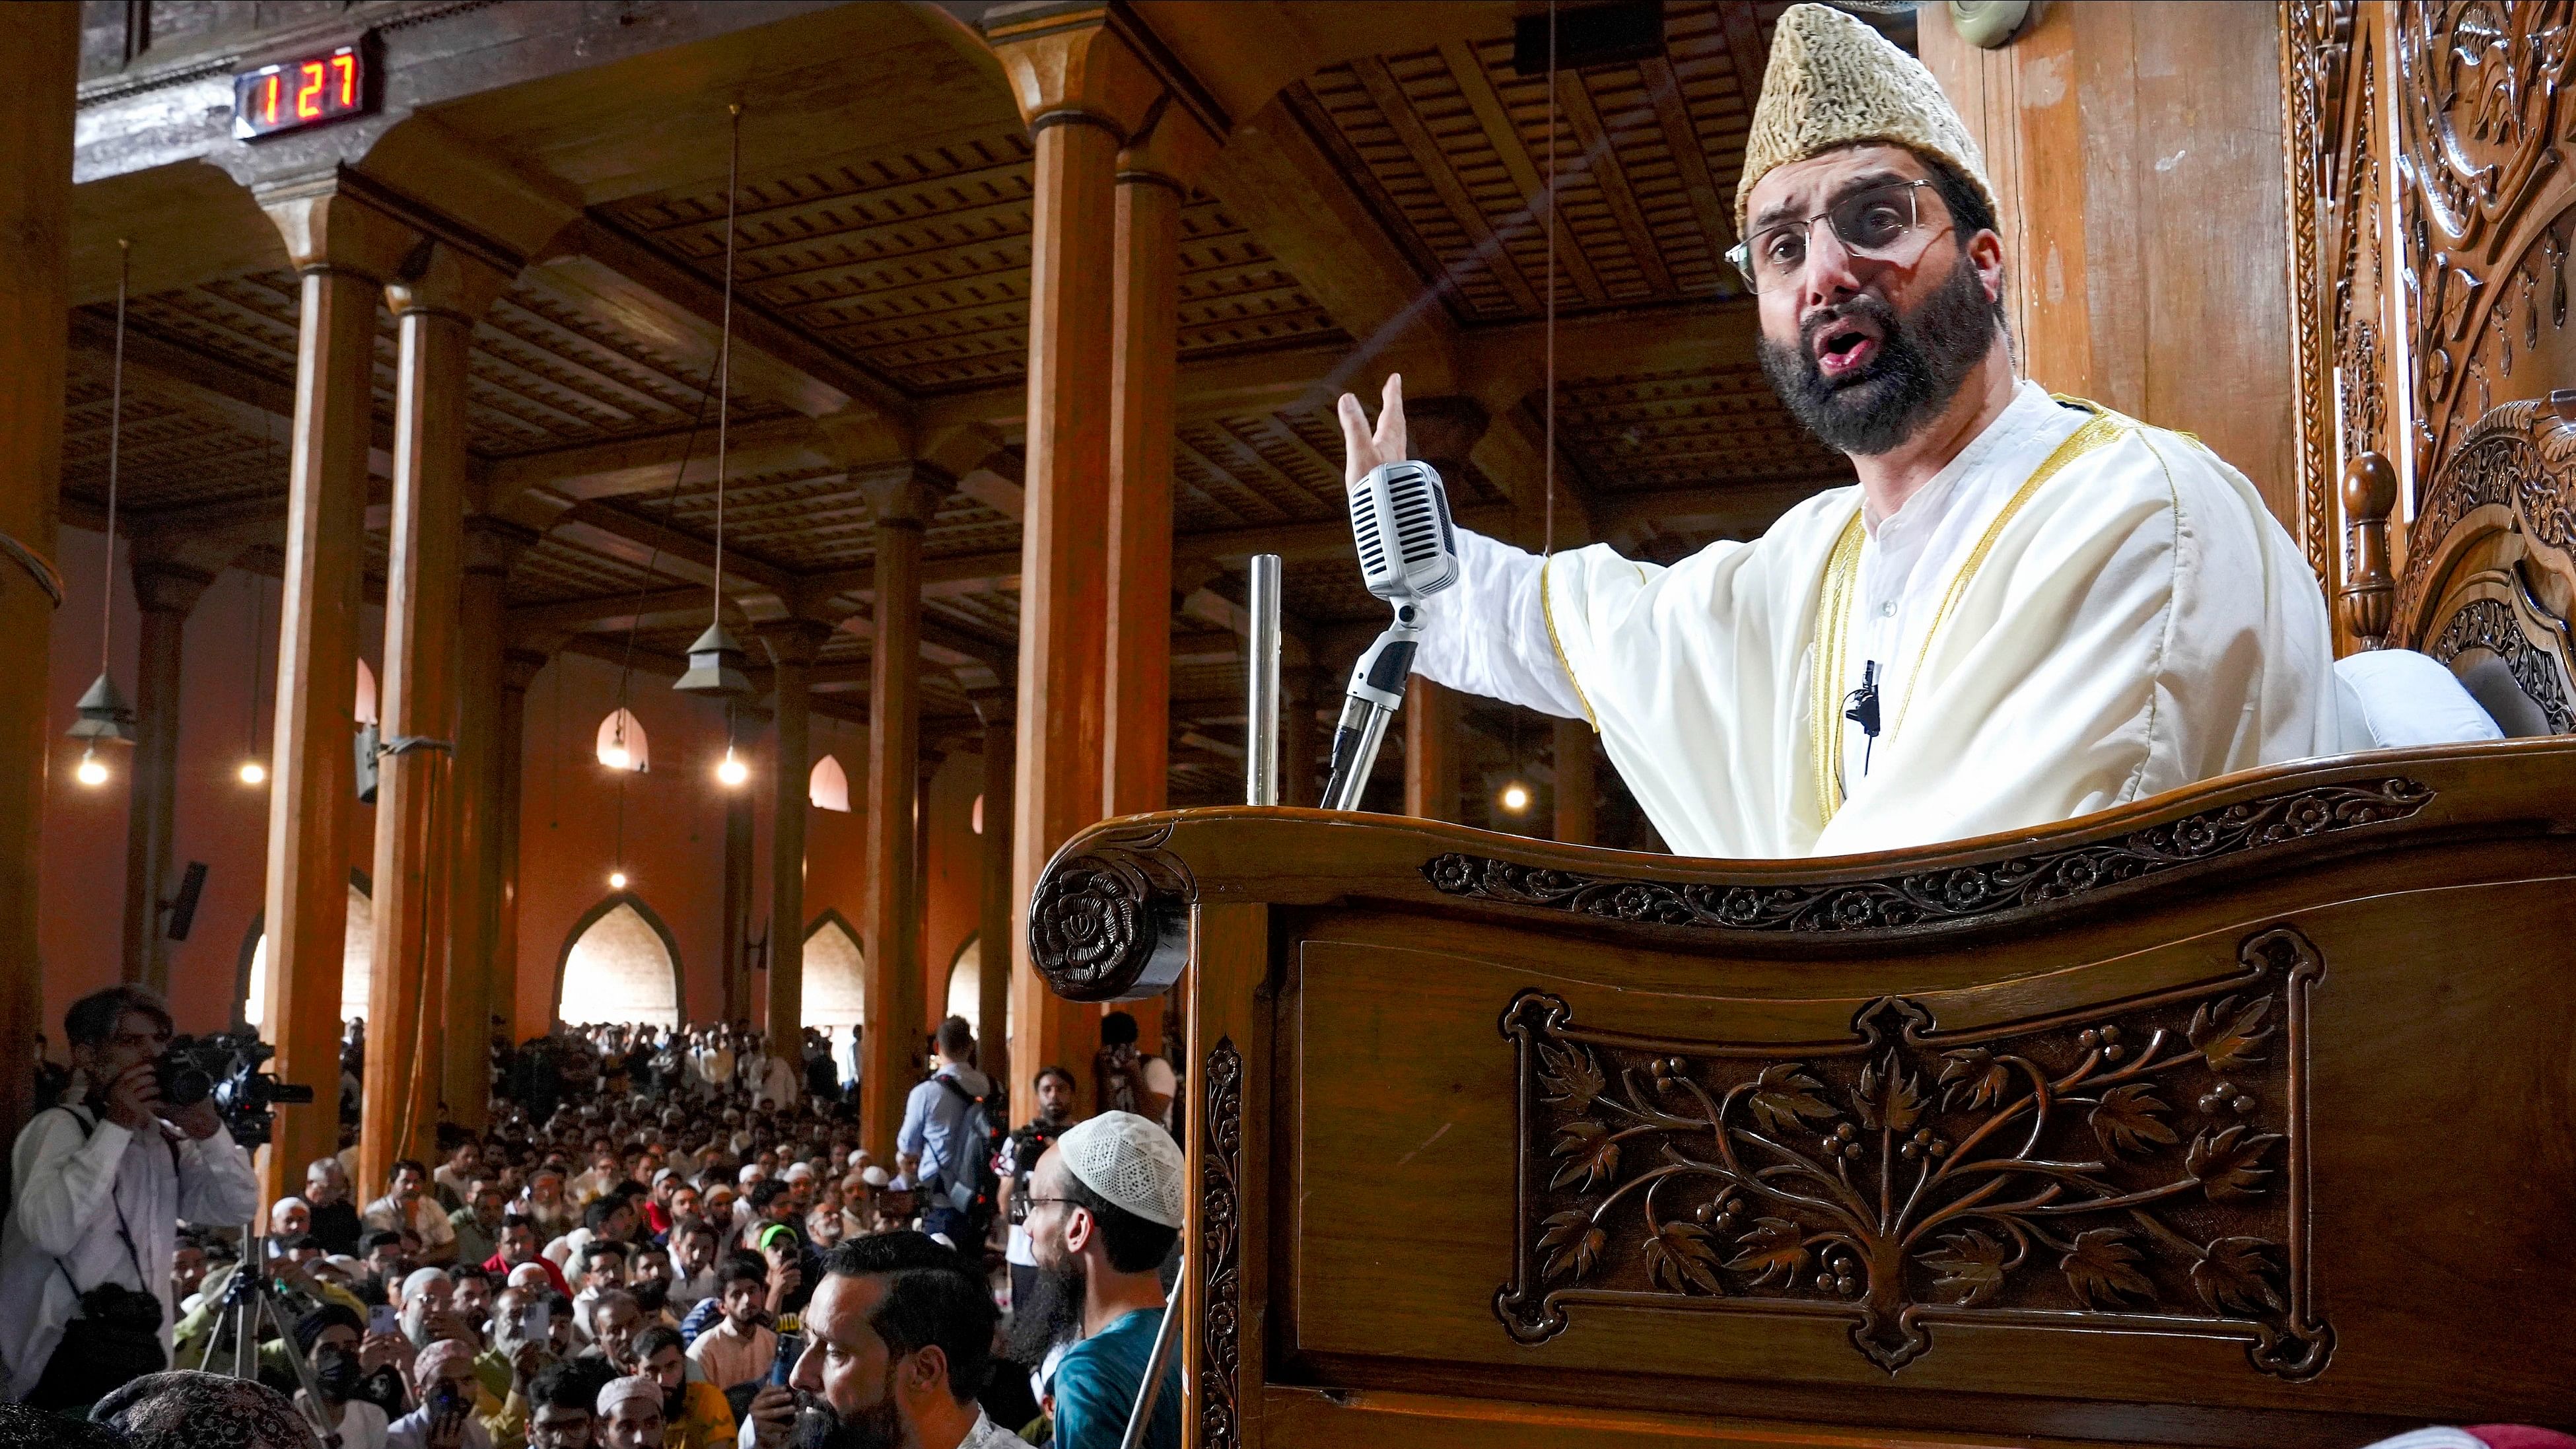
1834, 81
1129, 1160
633, 1386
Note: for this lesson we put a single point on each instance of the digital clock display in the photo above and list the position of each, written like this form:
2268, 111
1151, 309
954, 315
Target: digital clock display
296, 93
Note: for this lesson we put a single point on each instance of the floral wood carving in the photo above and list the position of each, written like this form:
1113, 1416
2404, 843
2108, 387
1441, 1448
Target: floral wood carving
2489, 624
2138, 1169
1098, 920
1949, 894
1220, 1246
2517, 457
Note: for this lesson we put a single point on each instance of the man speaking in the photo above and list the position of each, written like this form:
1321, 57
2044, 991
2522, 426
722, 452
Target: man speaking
2028, 609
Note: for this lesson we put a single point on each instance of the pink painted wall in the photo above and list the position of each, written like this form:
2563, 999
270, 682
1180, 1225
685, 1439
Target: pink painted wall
673, 824
218, 819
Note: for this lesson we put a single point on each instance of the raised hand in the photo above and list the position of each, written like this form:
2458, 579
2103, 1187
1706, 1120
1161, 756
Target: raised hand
1364, 448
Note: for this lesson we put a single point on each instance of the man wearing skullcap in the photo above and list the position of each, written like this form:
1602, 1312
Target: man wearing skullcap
1103, 1211
629, 1413
184, 1409
2028, 609
443, 1377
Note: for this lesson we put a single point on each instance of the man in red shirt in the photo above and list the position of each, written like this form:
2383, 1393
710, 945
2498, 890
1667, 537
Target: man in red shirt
519, 1246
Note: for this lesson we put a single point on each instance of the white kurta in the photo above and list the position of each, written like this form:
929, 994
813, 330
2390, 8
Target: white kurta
2138, 622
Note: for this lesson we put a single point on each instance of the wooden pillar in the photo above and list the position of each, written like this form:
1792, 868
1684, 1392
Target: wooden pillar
342, 251
418, 785
739, 863
1082, 94
792, 644
1574, 787
1301, 692
993, 917
903, 498
1430, 750
38, 65
474, 987
1144, 368
519, 668
933, 975
166, 592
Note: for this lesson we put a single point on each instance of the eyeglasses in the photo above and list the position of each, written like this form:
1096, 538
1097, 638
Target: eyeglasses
1873, 222
1020, 1208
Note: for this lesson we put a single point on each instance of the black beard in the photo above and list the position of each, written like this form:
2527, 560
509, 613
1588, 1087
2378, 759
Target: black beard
1924, 357
1052, 1315
878, 1426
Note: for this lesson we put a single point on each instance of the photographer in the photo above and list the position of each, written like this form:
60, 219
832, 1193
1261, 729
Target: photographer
102, 1183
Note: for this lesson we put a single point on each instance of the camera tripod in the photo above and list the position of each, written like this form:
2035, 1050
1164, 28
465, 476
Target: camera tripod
250, 1303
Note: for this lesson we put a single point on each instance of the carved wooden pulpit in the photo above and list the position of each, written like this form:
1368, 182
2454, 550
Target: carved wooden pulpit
2243, 1116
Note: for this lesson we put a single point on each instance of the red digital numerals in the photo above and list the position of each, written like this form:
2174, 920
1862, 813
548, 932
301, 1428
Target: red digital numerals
299, 93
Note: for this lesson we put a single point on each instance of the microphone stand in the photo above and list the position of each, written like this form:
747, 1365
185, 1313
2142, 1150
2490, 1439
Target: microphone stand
1376, 689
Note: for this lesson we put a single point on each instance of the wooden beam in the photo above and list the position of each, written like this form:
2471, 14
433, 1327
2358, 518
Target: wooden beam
1419, 143
676, 545
611, 273
1478, 88
1741, 510
1747, 46
1690, 158
605, 611
647, 463
241, 399
1601, 157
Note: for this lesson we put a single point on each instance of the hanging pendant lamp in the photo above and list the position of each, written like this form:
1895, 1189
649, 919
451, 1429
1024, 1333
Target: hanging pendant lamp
716, 660
104, 716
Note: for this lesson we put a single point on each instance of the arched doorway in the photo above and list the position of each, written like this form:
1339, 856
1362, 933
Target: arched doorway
836, 980
357, 961
620, 963
966, 987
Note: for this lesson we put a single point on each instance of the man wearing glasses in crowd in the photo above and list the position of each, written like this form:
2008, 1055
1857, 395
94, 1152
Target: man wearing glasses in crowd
2029, 608
103, 1182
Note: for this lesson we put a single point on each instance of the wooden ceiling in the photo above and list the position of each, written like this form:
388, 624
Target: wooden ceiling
897, 249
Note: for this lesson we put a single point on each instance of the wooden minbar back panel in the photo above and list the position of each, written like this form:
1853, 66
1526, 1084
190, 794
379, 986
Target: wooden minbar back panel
2240, 1117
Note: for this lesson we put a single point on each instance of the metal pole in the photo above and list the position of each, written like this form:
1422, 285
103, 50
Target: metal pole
1261, 728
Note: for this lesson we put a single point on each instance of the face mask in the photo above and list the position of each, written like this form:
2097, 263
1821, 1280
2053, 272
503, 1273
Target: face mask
336, 1371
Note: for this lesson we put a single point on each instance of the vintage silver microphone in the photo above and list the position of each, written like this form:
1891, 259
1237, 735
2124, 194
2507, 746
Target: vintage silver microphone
1408, 552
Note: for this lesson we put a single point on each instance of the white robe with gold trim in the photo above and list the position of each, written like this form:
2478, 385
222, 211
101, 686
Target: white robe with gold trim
2140, 623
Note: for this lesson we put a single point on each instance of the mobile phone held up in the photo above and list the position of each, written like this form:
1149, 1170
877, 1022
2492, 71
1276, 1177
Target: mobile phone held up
383, 1319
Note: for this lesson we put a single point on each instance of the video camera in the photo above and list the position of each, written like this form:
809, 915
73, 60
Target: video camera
225, 1066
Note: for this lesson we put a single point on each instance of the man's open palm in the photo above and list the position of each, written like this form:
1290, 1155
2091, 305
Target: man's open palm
1364, 449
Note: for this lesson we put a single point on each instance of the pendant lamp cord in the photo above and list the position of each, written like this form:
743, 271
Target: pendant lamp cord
1547, 545
724, 350
115, 432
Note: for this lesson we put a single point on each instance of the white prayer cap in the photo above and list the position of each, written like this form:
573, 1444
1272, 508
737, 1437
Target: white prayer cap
751, 1172
278, 1210
799, 1172
1129, 1160
421, 1278
874, 1176
633, 1386
530, 1275
858, 1158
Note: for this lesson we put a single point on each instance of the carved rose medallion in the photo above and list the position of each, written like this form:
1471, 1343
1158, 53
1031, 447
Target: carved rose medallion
2123, 1171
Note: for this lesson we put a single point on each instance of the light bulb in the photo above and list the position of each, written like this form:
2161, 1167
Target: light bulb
1516, 798
617, 880
733, 771
90, 771
616, 758
254, 773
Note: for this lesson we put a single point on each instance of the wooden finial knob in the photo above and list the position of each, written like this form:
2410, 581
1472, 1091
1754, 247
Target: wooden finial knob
2369, 488
2369, 595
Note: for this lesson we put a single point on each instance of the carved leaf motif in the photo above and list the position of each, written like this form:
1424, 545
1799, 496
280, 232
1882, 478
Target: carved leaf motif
1975, 1072
1589, 1154
2228, 1034
2229, 1162
1888, 1099
1572, 1244
2238, 1274
2103, 1269
1970, 1265
1571, 1076
1680, 1257
2131, 1119
1784, 1095
1771, 1248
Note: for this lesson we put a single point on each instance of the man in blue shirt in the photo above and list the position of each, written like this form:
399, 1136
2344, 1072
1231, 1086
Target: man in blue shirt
1103, 1212
934, 1146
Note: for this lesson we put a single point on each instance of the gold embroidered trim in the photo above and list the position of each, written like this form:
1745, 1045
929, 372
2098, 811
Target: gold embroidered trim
1842, 571
1547, 611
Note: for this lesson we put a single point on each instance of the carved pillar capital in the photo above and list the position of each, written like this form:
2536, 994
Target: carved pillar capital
793, 643
1065, 65
519, 666
440, 280
997, 707
326, 228
904, 495
493, 544
164, 587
